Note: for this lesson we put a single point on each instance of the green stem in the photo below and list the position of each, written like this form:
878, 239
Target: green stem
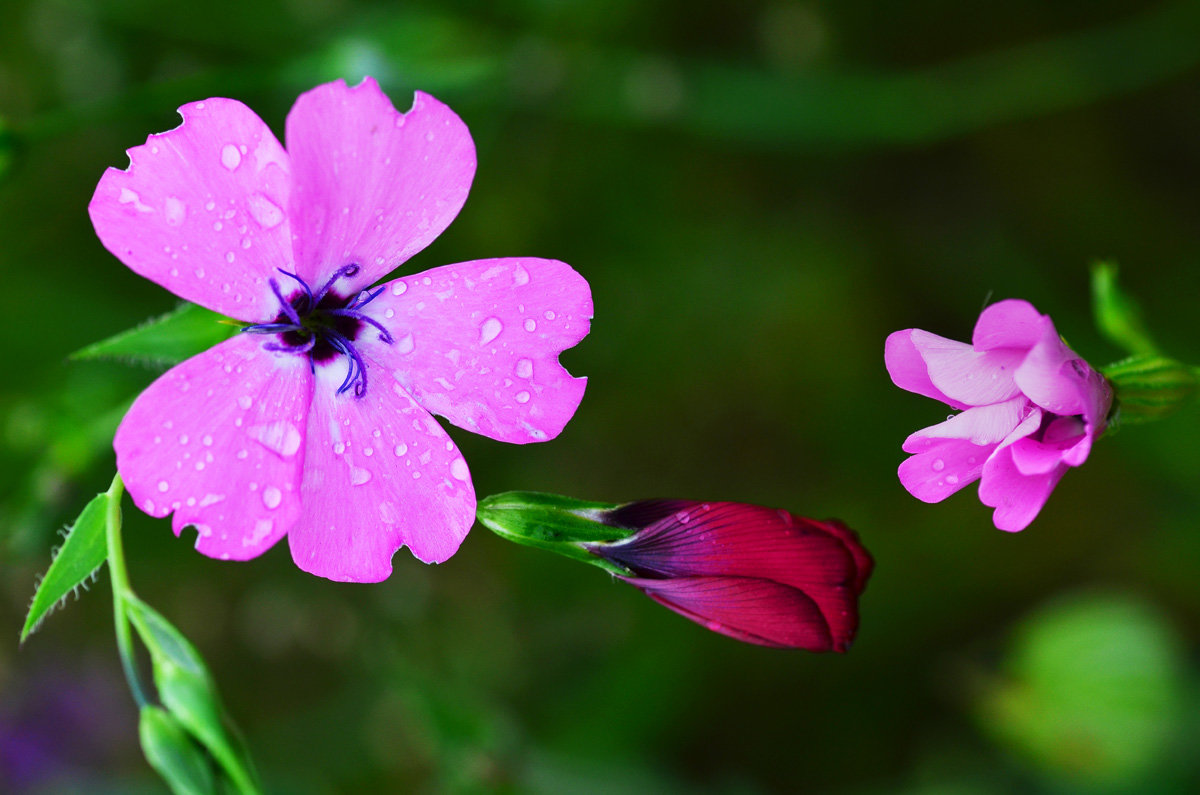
120, 587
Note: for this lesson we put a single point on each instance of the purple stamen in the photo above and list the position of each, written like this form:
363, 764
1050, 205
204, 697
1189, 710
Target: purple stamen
307, 328
343, 272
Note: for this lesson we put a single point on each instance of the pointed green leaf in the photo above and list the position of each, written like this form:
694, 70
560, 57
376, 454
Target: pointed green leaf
189, 693
165, 340
1117, 314
82, 553
173, 754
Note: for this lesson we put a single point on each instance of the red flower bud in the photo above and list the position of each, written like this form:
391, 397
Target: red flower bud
757, 574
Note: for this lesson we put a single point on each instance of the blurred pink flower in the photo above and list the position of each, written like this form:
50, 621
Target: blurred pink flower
1030, 408
757, 574
317, 424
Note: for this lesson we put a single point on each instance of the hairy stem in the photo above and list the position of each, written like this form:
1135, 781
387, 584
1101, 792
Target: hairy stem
120, 587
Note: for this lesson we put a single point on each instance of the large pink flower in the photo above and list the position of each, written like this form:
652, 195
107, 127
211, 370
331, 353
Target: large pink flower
1030, 408
316, 422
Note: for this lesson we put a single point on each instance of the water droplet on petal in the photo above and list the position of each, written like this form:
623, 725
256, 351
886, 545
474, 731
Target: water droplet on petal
524, 368
405, 344
175, 211
952, 479
520, 276
271, 497
339, 447
280, 437
265, 211
400, 449
530, 324
163, 485
399, 287
245, 402
549, 314
522, 397
458, 468
489, 330
938, 465
231, 158
359, 476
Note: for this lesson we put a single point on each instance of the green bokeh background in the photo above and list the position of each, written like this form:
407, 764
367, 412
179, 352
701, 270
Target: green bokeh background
758, 193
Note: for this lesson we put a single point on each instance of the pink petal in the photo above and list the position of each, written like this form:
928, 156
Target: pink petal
372, 186
218, 440
981, 425
907, 367
974, 378
1008, 324
829, 565
1048, 377
942, 469
200, 210
379, 473
751, 610
1017, 498
478, 343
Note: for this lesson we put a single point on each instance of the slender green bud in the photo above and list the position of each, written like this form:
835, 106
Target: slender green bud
551, 521
1117, 314
1152, 387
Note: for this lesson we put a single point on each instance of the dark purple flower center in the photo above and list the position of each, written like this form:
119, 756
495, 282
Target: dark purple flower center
323, 325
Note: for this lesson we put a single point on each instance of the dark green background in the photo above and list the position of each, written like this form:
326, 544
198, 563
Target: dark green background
758, 193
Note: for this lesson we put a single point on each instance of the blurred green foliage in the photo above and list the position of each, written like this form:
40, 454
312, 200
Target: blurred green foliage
758, 192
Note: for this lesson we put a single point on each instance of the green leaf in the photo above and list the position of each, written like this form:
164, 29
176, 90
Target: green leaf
188, 692
173, 754
80, 556
1118, 315
165, 340
1092, 691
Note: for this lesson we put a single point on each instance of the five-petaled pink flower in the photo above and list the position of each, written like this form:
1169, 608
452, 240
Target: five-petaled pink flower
315, 421
757, 574
1030, 408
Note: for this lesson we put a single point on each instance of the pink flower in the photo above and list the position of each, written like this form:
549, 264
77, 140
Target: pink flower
316, 424
1030, 408
757, 574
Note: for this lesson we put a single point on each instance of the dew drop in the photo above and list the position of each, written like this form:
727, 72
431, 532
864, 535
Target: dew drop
245, 402
339, 447
231, 158
400, 449
458, 468
279, 437
241, 454
359, 476
524, 368
522, 397
163, 485
399, 287
229, 256
952, 479
271, 497
520, 276
530, 324
207, 440
549, 314
175, 211
265, 211
405, 344
938, 465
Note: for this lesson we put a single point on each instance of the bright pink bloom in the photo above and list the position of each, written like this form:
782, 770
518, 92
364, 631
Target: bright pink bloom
1030, 408
757, 574
317, 423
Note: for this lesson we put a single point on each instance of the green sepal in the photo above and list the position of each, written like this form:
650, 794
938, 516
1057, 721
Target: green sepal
554, 522
81, 555
1117, 314
166, 340
173, 754
187, 690
1151, 387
